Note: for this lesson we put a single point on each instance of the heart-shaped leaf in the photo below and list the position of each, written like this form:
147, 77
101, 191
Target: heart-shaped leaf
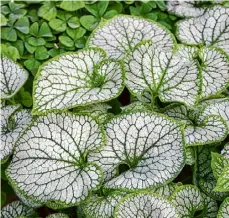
17, 209
188, 199
173, 76
224, 209
13, 77
149, 144
222, 184
211, 28
166, 190
184, 8
102, 207
215, 71
120, 34
49, 164
145, 205
80, 78
13, 124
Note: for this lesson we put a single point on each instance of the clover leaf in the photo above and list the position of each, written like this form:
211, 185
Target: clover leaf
50, 160
13, 77
145, 205
150, 145
17, 209
120, 35
224, 209
188, 199
80, 78
211, 28
173, 76
13, 124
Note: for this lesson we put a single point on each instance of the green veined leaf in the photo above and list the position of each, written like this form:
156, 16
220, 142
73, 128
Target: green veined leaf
102, 207
80, 78
218, 106
224, 209
151, 145
215, 71
172, 76
188, 199
184, 8
190, 156
120, 34
218, 163
57, 215
17, 209
225, 151
135, 106
211, 130
209, 29
166, 190
203, 175
222, 184
51, 147
13, 77
13, 124
145, 205
98, 111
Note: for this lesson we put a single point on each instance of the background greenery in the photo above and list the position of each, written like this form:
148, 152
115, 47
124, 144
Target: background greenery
35, 31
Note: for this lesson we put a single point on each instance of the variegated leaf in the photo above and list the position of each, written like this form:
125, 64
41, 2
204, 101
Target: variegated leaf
224, 209
151, 145
49, 164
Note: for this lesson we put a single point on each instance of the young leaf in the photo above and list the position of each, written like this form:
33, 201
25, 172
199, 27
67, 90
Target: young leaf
218, 163
171, 75
120, 34
222, 184
13, 77
80, 78
151, 145
211, 28
224, 209
102, 207
50, 164
57, 215
145, 205
17, 209
203, 175
212, 129
13, 125
190, 156
215, 71
184, 8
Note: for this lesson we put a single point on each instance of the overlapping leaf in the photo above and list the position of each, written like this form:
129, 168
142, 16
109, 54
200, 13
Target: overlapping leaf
151, 145
224, 209
76, 79
225, 151
188, 199
173, 76
145, 205
13, 123
49, 163
13, 77
211, 28
102, 207
120, 34
184, 8
166, 190
222, 184
215, 70
17, 209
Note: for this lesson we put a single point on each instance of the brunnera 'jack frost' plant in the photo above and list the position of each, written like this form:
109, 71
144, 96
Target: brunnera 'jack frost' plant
123, 165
